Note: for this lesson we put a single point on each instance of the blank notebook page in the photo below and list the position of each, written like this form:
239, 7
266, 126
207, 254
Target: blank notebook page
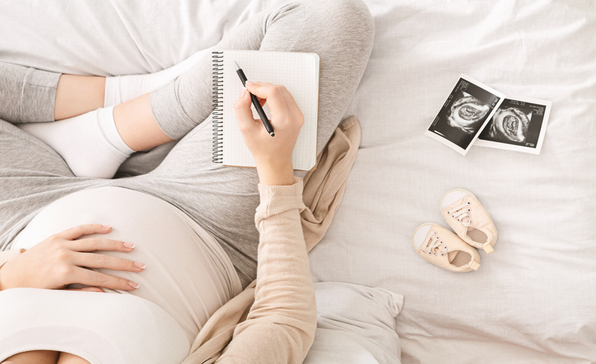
299, 73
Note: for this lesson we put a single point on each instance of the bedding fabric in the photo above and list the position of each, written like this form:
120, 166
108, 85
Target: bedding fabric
532, 300
355, 325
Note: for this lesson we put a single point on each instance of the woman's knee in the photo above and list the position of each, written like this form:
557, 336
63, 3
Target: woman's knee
342, 25
326, 27
349, 15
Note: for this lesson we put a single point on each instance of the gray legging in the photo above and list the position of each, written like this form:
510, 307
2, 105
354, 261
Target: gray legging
220, 199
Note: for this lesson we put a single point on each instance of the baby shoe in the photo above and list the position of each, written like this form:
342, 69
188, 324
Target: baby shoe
444, 249
469, 220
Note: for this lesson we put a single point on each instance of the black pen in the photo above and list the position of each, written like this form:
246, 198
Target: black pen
255, 101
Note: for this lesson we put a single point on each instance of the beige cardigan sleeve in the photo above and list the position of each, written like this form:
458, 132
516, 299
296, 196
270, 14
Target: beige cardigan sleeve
281, 324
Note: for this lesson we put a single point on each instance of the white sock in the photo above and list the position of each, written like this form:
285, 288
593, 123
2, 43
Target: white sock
89, 143
121, 89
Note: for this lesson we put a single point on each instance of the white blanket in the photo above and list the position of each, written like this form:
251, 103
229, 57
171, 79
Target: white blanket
534, 299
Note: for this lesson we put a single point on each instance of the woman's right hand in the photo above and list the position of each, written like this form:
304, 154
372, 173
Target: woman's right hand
63, 259
273, 156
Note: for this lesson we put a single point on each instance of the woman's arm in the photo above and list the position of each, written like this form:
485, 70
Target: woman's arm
281, 324
7, 255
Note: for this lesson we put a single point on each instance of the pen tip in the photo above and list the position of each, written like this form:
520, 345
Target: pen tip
272, 134
237, 67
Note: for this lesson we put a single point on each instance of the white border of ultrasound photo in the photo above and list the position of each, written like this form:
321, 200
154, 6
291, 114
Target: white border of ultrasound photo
532, 149
463, 138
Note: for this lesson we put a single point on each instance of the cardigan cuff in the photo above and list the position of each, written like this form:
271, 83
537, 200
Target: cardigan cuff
278, 199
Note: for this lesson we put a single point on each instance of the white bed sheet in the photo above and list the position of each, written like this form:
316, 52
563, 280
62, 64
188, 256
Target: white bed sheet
534, 299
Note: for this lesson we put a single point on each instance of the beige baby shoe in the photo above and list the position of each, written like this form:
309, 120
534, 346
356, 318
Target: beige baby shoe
445, 249
469, 220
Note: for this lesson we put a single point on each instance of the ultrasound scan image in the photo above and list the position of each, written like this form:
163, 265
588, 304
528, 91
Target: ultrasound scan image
510, 125
467, 113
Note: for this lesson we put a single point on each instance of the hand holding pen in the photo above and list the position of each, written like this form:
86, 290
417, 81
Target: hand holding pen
255, 102
273, 156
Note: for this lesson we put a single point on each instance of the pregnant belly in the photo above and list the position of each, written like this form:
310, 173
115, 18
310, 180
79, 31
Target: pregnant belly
100, 328
188, 275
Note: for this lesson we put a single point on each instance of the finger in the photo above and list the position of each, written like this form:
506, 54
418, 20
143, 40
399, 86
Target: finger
262, 101
94, 244
78, 231
294, 110
92, 278
274, 94
94, 260
243, 111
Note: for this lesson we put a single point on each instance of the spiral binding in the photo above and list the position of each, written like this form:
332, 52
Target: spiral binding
217, 114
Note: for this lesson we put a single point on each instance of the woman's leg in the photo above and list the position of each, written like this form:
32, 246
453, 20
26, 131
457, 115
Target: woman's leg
93, 141
223, 199
44, 357
32, 175
35, 356
76, 95
67, 358
341, 32
26, 94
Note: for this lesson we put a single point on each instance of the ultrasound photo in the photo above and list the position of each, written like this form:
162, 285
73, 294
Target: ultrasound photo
518, 124
465, 114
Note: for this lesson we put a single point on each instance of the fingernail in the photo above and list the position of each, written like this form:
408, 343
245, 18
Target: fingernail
248, 83
140, 265
133, 284
242, 92
129, 245
107, 226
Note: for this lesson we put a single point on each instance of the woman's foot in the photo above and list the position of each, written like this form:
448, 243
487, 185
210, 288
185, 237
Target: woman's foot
89, 143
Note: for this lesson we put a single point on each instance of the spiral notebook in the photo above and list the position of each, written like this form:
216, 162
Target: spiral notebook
298, 72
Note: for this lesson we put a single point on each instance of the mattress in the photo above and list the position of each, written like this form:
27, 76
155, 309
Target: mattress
533, 300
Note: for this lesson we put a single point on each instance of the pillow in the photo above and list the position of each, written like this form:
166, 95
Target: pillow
355, 324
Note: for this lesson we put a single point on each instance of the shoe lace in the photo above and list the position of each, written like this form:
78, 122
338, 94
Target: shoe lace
435, 245
460, 213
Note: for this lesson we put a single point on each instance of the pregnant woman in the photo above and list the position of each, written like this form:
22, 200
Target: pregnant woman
171, 246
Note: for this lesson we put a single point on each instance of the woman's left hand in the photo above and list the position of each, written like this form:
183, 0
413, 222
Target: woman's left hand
63, 259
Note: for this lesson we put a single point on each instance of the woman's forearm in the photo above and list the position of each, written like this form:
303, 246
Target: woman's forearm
5, 256
281, 324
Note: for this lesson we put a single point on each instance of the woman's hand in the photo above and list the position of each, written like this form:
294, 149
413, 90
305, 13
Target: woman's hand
273, 155
62, 259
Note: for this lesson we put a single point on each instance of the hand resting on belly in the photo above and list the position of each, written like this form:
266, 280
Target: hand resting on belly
61, 260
